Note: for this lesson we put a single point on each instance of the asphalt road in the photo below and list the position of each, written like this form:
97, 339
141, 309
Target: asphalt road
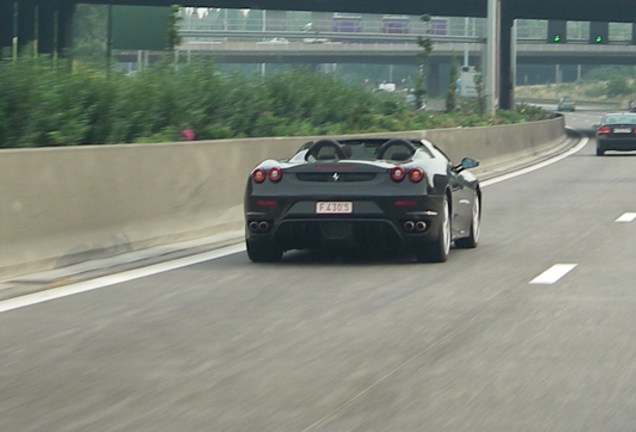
321, 343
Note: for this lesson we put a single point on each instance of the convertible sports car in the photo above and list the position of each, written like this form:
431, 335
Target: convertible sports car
382, 195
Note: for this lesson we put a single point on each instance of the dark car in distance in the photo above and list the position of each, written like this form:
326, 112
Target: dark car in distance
566, 103
375, 194
617, 131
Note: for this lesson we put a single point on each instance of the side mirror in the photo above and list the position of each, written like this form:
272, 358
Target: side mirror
467, 163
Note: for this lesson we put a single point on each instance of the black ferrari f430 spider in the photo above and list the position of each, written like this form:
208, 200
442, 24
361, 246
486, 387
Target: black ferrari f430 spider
370, 193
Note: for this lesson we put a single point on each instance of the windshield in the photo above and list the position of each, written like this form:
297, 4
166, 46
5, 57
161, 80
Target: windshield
367, 149
619, 119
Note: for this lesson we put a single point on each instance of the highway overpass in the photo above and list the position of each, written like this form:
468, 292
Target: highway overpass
52, 21
572, 59
403, 53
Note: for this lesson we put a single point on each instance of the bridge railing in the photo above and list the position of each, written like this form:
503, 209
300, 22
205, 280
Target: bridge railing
295, 26
590, 103
472, 27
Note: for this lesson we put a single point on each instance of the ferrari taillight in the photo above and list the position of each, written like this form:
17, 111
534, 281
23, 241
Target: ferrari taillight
275, 174
416, 175
603, 130
398, 174
259, 175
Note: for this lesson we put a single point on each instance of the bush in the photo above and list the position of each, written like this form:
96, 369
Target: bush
617, 86
43, 104
596, 91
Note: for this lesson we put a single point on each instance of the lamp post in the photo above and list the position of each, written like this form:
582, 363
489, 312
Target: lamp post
492, 43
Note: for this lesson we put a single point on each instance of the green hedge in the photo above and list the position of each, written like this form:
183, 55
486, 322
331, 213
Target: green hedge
42, 104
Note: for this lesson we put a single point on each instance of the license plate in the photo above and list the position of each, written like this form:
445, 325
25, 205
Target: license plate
623, 130
334, 207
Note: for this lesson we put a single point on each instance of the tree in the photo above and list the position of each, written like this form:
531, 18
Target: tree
419, 88
451, 100
90, 29
173, 39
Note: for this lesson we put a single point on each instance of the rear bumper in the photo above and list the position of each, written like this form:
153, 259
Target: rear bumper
621, 144
388, 227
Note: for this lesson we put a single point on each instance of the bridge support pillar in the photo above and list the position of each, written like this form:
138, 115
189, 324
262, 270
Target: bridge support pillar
36, 23
26, 22
65, 13
6, 27
506, 72
46, 27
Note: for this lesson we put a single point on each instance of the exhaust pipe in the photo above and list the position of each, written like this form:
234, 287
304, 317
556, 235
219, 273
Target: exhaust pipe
253, 226
408, 226
263, 226
420, 226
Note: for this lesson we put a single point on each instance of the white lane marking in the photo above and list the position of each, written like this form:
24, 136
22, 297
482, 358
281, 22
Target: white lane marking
553, 274
104, 281
626, 217
543, 164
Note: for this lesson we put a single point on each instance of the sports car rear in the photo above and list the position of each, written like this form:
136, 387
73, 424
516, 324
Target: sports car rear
386, 195
344, 203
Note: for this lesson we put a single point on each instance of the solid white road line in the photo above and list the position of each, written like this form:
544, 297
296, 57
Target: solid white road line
104, 281
626, 217
553, 274
582, 143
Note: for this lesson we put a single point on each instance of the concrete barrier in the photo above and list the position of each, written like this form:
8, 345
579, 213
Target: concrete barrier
61, 206
500, 144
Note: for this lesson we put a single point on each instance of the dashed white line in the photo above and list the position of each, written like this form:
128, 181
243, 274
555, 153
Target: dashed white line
626, 217
553, 274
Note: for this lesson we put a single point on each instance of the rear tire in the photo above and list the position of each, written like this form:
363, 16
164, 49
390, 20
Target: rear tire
263, 251
472, 240
599, 151
437, 250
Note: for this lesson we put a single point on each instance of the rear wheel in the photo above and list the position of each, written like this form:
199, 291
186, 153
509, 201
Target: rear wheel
263, 251
437, 250
475, 227
599, 151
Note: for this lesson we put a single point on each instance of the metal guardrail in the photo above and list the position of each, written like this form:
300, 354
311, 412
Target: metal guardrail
555, 101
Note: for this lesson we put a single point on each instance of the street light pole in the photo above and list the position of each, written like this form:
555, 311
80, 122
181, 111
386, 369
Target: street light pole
492, 43
513, 60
